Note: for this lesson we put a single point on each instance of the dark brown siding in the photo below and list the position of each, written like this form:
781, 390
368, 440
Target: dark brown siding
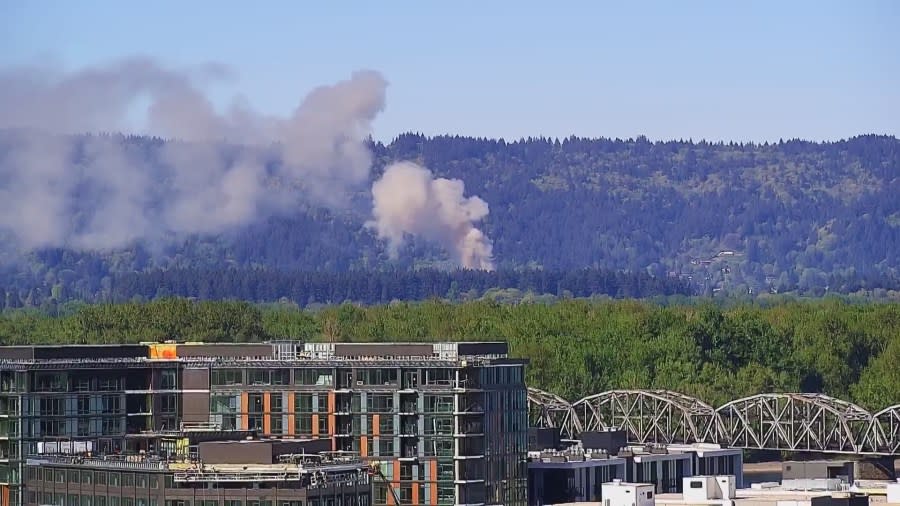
498, 348
91, 351
236, 452
383, 350
16, 352
195, 406
224, 350
284, 447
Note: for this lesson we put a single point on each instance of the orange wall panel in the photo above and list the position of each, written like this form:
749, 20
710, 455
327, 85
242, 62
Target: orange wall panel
289, 430
267, 410
331, 422
434, 479
315, 425
376, 425
363, 446
245, 408
415, 493
395, 482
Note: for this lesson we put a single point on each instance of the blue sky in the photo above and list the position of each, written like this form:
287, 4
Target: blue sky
752, 70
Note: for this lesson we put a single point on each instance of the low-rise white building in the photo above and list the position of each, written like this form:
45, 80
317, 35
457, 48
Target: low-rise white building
620, 493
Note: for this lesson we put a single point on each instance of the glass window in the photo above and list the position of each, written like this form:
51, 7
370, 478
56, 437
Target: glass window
87, 477
386, 425
255, 403
281, 376
303, 424
380, 403
225, 377
100, 478
168, 379
113, 479
303, 403
313, 376
84, 404
276, 402
127, 479
154, 481
258, 377
169, 404
108, 384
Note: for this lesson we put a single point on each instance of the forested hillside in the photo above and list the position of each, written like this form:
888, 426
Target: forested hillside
729, 218
575, 347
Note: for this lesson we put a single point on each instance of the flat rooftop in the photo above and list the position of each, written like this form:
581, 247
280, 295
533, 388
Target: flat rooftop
186, 470
745, 497
268, 354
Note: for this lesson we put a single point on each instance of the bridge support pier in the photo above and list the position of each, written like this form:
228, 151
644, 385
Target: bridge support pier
875, 468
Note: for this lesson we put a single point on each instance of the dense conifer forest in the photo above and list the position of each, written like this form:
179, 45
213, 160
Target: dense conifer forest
726, 218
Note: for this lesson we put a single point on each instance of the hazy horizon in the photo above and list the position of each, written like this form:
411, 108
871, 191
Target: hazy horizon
817, 71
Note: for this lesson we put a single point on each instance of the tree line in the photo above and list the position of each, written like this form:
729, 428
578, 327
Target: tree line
366, 287
575, 347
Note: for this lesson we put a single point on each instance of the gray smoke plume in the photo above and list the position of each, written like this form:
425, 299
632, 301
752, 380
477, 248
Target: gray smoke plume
223, 170
101, 192
409, 200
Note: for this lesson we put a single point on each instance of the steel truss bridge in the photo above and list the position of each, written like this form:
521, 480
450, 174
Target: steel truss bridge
801, 422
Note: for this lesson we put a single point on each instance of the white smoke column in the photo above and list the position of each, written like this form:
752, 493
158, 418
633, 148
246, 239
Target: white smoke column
407, 199
106, 192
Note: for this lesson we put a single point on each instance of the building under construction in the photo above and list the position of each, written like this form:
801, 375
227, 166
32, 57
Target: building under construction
230, 473
446, 423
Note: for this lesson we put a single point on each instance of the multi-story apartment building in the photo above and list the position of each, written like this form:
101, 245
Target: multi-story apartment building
447, 422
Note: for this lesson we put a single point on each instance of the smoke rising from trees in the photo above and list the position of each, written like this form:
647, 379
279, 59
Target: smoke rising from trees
408, 199
223, 170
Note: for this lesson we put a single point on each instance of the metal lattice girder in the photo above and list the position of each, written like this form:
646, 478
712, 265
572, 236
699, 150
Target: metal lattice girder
782, 421
884, 434
649, 416
798, 421
550, 410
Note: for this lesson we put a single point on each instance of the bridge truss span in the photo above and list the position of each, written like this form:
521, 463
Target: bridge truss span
884, 434
797, 422
803, 422
649, 416
546, 409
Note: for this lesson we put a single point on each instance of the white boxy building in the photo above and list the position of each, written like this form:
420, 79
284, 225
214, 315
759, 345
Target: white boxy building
708, 488
619, 493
